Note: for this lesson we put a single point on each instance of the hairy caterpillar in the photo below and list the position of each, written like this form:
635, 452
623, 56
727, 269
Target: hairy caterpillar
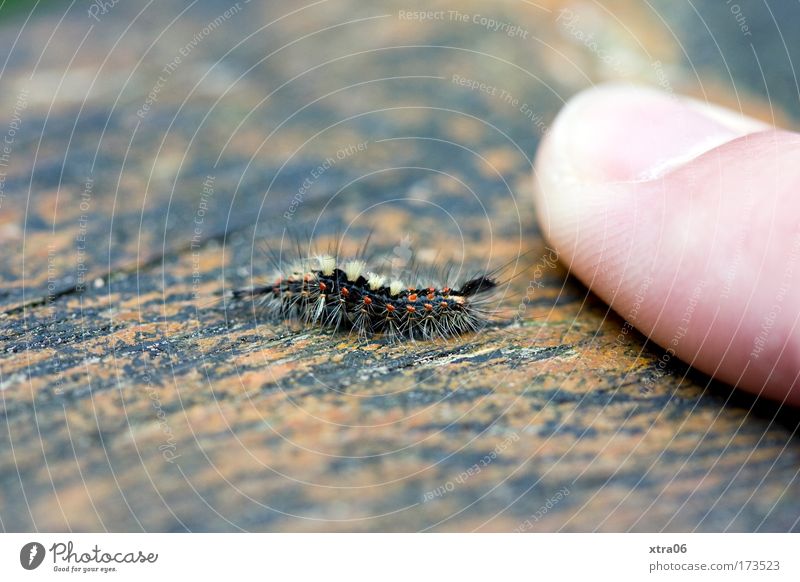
344, 295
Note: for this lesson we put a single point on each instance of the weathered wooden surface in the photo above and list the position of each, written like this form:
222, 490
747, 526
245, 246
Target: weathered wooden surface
130, 404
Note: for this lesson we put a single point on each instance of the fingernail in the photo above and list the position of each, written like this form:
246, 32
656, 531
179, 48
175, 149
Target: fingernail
625, 133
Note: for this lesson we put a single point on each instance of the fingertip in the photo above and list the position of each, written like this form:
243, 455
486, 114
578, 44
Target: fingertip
638, 189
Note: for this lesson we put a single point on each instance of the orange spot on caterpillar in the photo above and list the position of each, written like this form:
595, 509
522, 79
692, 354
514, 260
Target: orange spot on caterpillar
431, 289
345, 292
367, 301
446, 290
443, 304
431, 296
322, 286
411, 309
390, 308
412, 297
428, 307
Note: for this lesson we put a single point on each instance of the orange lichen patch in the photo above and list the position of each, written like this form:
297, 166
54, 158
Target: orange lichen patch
24, 359
45, 245
499, 161
137, 333
49, 208
18, 387
206, 419
463, 130
255, 379
370, 347
71, 507
207, 261
254, 358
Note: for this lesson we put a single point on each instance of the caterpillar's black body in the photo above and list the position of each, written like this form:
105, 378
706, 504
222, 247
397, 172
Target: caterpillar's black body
344, 296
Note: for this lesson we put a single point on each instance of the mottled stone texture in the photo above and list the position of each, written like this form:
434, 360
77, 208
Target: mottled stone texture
153, 153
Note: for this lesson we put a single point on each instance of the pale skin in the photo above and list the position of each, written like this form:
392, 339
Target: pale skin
685, 218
